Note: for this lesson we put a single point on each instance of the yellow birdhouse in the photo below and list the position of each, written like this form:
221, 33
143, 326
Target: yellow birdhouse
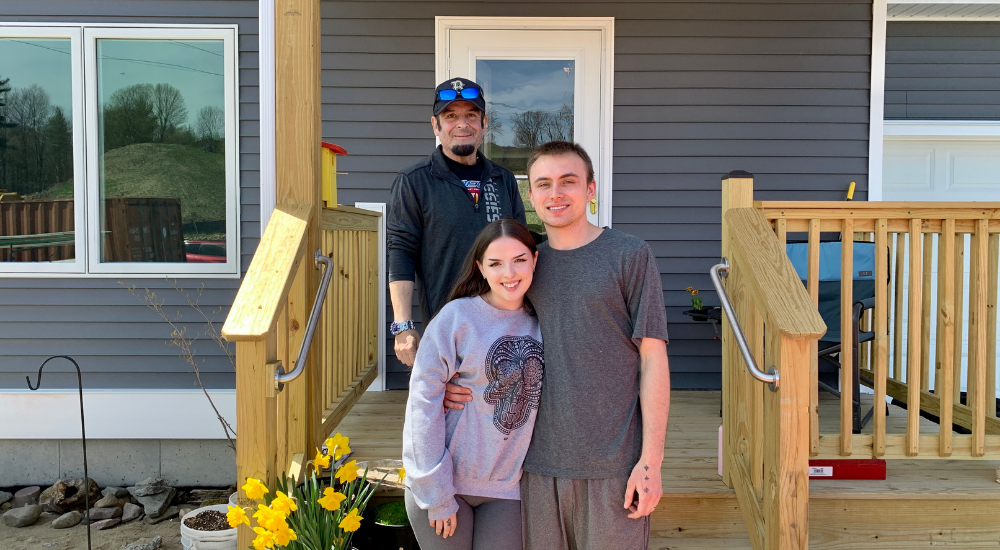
330, 152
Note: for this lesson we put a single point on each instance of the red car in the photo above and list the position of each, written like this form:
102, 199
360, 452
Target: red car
212, 252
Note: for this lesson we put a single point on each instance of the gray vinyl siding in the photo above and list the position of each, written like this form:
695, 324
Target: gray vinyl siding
701, 88
117, 341
942, 70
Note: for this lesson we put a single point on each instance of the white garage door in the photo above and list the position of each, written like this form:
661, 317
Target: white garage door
942, 169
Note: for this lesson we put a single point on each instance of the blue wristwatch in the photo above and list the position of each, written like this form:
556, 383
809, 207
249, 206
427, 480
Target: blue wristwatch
395, 328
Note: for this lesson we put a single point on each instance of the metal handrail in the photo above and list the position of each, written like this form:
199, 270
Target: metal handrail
771, 376
280, 377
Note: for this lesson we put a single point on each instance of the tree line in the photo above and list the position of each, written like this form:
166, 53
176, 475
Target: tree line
36, 137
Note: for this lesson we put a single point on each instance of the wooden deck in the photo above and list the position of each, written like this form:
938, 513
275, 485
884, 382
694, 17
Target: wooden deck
922, 503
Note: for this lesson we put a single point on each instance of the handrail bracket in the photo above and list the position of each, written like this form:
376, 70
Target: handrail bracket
280, 376
771, 376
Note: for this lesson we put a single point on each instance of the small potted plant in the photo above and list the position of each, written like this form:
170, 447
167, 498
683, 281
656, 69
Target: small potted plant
316, 516
696, 303
392, 527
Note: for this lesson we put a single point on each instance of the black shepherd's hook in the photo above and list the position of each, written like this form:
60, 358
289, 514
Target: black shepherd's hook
83, 429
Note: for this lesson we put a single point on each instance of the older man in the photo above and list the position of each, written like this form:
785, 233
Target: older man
439, 205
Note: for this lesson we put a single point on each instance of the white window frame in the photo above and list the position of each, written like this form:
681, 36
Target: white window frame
86, 165
75, 36
444, 24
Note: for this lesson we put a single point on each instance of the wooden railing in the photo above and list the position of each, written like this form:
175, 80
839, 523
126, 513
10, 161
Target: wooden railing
766, 433
277, 429
920, 305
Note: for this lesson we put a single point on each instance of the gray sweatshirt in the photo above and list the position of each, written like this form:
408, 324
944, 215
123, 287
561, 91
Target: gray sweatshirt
477, 451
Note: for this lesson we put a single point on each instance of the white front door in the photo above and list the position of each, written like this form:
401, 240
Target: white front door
543, 83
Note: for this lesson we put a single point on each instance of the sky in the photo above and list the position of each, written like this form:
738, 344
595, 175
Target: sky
516, 85
195, 67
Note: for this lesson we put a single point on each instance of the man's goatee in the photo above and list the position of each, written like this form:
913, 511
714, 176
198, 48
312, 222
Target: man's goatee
463, 150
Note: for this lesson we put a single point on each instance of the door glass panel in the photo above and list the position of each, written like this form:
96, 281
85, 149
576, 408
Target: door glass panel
528, 103
36, 150
162, 169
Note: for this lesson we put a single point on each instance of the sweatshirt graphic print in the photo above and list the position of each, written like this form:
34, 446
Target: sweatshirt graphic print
476, 451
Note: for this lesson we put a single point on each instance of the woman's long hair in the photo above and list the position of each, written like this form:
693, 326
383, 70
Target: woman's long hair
471, 282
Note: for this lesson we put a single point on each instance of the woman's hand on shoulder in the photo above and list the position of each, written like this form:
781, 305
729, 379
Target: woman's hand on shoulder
445, 527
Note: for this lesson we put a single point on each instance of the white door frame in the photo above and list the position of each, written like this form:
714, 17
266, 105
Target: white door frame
444, 24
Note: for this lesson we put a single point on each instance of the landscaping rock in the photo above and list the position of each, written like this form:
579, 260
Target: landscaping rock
5, 497
151, 545
149, 486
169, 513
131, 512
119, 492
183, 511
105, 524
26, 497
23, 516
97, 514
110, 501
65, 496
5, 506
155, 504
67, 520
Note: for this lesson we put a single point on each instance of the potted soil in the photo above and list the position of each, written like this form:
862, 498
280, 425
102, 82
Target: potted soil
392, 527
206, 528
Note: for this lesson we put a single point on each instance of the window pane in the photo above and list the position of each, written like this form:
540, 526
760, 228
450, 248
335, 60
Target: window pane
528, 103
162, 169
36, 150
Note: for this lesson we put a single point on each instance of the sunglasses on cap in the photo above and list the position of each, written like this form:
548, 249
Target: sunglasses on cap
449, 95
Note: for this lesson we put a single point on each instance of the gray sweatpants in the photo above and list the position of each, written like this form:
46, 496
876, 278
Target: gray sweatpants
579, 514
483, 523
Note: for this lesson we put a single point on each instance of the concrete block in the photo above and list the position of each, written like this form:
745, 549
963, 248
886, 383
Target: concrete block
197, 462
117, 462
29, 462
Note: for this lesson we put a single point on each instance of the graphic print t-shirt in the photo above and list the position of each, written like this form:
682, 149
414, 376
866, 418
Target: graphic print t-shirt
479, 450
471, 175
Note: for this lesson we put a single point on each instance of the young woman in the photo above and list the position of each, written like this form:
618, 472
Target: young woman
463, 467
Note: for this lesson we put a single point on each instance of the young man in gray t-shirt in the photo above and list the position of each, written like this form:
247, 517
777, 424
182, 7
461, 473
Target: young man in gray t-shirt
592, 473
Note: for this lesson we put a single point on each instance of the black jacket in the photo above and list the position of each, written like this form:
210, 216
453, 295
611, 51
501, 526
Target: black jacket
433, 221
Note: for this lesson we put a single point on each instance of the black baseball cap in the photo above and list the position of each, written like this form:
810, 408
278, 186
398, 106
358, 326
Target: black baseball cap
459, 86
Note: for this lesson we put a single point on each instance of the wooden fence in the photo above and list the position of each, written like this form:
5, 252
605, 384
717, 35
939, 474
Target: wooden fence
905, 235
36, 230
278, 430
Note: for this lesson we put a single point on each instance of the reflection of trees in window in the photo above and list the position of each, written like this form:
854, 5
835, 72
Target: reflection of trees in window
35, 140
533, 128
169, 110
210, 127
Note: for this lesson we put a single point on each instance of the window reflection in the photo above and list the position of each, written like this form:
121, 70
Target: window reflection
162, 172
528, 103
36, 150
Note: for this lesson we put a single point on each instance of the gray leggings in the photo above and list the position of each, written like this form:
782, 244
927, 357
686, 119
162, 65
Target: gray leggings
483, 523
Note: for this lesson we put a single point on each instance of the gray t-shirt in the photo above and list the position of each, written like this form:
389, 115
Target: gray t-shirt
595, 304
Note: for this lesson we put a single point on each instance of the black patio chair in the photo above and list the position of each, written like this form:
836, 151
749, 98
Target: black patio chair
830, 344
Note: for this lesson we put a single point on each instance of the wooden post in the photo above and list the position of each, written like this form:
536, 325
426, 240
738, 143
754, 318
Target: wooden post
786, 456
812, 283
256, 444
946, 304
880, 353
913, 361
846, 328
297, 421
737, 192
978, 295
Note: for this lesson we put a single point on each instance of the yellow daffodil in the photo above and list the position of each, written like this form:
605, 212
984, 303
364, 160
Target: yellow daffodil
265, 539
284, 536
402, 474
282, 503
321, 461
254, 489
689, 289
351, 521
331, 499
268, 518
338, 446
348, 472
694, 292
236, 516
